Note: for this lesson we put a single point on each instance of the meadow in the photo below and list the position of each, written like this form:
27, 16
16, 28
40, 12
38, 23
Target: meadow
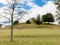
28, 34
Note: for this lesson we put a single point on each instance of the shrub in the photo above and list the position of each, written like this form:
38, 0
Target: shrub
28, 22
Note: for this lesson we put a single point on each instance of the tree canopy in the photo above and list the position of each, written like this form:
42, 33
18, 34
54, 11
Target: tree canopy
48, 18
38, 20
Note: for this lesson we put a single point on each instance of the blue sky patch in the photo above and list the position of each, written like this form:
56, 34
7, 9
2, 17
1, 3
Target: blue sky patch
1, 5
24, 5
27, 7
39, 2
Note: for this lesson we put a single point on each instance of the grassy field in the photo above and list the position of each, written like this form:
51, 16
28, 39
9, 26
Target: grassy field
28, 34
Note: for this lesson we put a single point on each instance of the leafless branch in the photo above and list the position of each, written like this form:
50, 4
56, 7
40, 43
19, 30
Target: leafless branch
5, 17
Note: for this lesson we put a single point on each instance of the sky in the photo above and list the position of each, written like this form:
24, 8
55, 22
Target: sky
34, 7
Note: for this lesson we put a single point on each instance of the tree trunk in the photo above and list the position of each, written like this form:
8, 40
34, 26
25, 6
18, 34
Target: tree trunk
11, 36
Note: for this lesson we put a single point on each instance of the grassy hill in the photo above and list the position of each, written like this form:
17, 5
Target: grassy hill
31, 34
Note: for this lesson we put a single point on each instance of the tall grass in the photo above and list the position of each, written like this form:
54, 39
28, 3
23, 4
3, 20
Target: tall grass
44, 35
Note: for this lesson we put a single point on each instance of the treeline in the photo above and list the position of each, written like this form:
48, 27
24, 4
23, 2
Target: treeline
45, 18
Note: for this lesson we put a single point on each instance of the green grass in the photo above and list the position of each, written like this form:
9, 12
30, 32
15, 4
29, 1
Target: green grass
31, 35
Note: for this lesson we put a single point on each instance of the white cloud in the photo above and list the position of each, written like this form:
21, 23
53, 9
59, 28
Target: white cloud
30, 4
3, 1
50, 7
21, 1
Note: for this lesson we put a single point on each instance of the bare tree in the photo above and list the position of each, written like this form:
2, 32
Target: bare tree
11, 9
